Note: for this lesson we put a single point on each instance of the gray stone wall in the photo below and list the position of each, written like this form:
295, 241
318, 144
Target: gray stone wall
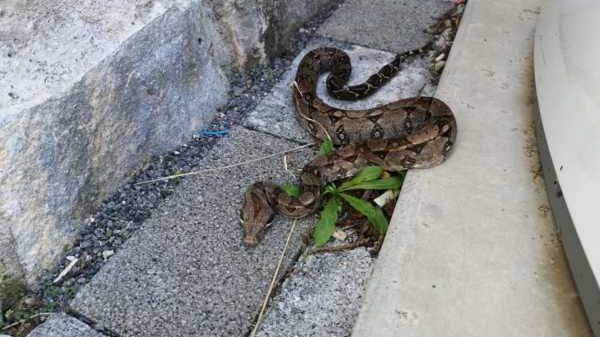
67, 144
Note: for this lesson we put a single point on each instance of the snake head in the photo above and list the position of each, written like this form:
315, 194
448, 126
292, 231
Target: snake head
256, 213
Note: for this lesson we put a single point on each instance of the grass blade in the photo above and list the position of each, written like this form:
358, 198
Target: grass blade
373, 214
367, 173
326, 147
291, 190
390, 183
325, 227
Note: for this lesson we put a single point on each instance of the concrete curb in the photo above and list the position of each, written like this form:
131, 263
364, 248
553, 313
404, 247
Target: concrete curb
472, 248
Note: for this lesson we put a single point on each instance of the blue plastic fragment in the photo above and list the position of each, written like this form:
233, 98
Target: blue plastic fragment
214, 133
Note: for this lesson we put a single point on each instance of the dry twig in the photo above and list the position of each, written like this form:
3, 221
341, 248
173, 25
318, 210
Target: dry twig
273, 280
66, 270
25, 320
214, 169
340, 248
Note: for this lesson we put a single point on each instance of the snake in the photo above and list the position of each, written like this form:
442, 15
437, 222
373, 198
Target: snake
411, 133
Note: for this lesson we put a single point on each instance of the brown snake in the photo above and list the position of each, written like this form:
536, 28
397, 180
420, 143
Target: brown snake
410, 133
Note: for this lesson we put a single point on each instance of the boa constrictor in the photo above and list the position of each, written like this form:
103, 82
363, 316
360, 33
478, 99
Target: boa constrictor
410, 133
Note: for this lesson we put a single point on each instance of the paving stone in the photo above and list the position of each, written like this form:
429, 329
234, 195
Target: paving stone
61, 325
186, 272
393, 25
322, 297
276, 113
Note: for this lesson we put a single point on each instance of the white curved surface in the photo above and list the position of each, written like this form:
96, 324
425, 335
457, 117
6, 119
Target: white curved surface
568, 88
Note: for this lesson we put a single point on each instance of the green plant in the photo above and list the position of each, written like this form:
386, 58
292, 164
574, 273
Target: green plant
369, 178
11, 290
21, 310
291, 190
326, 147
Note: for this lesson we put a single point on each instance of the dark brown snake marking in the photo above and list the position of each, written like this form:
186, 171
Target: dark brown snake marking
410, 133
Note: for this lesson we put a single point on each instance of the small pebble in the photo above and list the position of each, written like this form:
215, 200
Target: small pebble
30, 301
107, 253
340, 235
438, 66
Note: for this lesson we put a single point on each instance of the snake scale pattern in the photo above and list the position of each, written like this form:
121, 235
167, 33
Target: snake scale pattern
410, 133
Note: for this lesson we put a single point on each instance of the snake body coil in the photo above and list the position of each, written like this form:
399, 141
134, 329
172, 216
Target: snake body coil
410, 133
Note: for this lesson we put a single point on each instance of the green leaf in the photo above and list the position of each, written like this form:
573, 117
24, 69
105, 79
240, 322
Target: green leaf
390, 183
291, 190
330, 188
325, 227
373, 214
367, 173
326, 147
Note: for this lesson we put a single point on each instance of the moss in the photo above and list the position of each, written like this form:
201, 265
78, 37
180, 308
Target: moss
11, 290
14, 308
51, 291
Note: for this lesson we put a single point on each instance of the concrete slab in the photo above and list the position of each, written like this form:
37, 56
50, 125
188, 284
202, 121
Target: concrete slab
392, 25
45, 48
186, 272
276, 114
321, 297
61, 325
472, 249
